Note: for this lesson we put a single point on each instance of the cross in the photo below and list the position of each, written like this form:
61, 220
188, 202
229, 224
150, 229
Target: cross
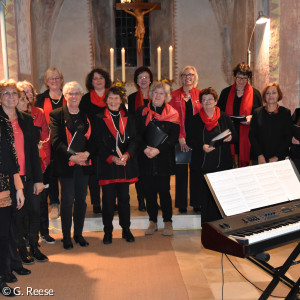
139, 10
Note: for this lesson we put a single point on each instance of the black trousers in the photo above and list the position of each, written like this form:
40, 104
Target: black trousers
94, 190
161, 185
181, 188
110, 191
27, 219
73, 192
44, 214
53, 185
5, 223
139, 189
196, 197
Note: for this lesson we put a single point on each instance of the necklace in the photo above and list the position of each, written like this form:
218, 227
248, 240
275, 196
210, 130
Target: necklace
118, 132
55, 102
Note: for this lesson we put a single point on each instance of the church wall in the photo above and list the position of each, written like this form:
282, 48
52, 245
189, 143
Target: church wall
70, 44
198, 42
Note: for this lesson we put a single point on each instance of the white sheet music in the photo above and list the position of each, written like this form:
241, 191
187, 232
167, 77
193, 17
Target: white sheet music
240, 190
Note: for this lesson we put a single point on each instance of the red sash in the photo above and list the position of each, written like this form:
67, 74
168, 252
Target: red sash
48, 107
69, 139
245, 110
210, 123
96, 99
139, 99
110, 123
169, 114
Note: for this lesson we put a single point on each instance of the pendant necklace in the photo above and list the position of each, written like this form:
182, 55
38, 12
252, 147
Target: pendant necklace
118, 114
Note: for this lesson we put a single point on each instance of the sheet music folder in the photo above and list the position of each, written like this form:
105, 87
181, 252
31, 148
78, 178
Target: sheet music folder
78, 143
154, 136
244, 189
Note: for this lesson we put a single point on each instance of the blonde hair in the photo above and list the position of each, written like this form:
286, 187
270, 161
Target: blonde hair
10, 83
48, 73
194, 70
21, 84
157, 85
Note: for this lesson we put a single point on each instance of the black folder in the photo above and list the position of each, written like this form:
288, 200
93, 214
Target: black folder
182, 157
78, 143
154, 136
296, 132
218, 140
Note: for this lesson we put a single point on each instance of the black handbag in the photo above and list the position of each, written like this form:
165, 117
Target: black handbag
182, 157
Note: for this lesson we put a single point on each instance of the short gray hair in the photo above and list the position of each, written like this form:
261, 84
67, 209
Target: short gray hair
157, 85
72, 85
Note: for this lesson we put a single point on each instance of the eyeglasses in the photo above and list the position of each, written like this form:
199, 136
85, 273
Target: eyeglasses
74, 94
271, 93
143, 77
188, 75
242, 78
206, 100
7, 93
54, 79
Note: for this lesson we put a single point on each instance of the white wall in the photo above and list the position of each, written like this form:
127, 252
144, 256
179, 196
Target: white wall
198, 42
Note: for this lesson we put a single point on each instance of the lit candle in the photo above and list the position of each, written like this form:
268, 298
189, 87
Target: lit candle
112, 51
158, 63
170, 63
123, 64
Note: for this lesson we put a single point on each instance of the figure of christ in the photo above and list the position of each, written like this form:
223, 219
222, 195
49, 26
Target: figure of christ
139, 27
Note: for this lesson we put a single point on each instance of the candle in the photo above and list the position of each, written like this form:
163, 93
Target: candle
158, 63
170, 63
112, 51
123, 64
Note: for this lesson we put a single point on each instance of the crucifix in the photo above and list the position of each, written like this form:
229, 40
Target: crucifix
138, 9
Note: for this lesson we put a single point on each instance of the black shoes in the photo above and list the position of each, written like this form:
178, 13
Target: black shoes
79, 239
22, 271
67, 243
37, 254
6, 290
25, 256
127, 235
107, 238
48, 239
97, 209
197, 209
142, 206
182, 210
9, 278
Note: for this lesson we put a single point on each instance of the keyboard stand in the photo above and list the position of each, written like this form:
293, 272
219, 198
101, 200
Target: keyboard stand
278, 274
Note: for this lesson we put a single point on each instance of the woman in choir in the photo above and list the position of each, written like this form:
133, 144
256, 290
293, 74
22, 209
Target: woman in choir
186, 101
27, 219
240, 100
207, 124
44, 145
72, 168
270, 128
295, 147
158, 162
10, 187
117, 146
51, 99
143, 78
97, 83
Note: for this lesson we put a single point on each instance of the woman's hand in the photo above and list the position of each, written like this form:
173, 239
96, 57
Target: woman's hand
273, 159
295, 141
261, 159
248, 118
183, 146
119, 161
20, 198
80, 158
38, 188
208, 148
151, 152
228, 139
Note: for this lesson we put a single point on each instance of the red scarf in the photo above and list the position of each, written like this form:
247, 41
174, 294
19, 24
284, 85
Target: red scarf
69, 139
110, 123
96, 99
169, 114
48, 107
245, 110
139, 99
210, 123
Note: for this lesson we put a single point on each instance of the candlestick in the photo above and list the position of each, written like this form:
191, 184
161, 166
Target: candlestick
112, 51
170, 63
123, 64
158, 63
